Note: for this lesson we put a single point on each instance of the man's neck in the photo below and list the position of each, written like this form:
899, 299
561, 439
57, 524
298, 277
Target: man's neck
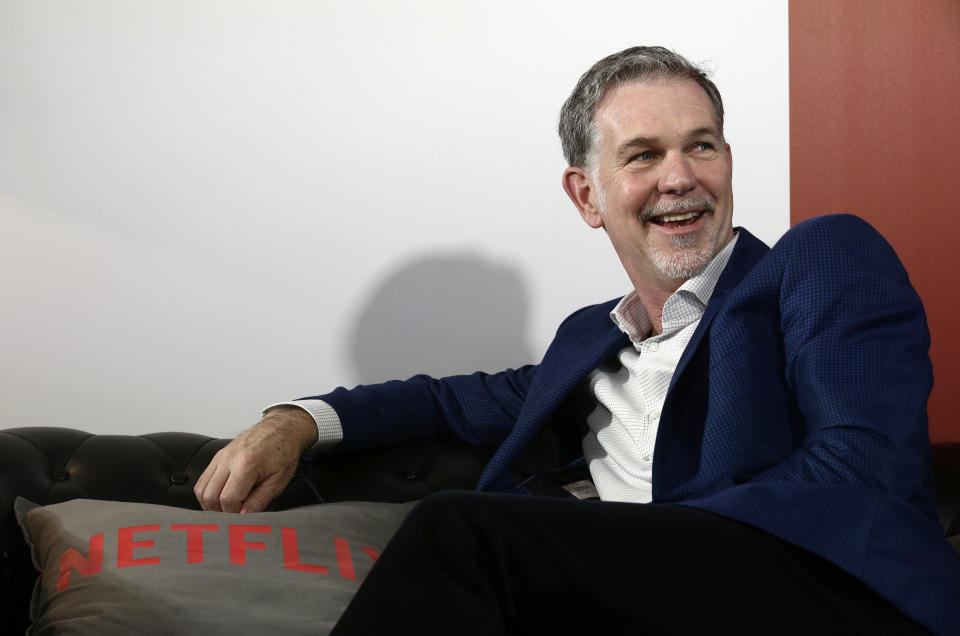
654, 288
654, 296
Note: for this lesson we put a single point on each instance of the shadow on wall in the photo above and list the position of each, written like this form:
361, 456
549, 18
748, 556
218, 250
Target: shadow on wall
442, 314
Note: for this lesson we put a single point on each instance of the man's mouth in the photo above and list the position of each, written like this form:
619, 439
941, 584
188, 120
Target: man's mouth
674, 215
677, 220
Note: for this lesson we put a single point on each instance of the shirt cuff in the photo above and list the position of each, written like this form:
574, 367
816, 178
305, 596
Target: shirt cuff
329, 429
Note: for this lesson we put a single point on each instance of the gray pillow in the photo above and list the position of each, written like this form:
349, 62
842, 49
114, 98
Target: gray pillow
120, 568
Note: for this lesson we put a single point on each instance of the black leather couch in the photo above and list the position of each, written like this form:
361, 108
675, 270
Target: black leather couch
50, 465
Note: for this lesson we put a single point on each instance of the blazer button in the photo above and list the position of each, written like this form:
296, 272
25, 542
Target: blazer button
179, 478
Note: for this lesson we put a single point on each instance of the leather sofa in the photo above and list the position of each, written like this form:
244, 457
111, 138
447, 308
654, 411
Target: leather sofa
50, 465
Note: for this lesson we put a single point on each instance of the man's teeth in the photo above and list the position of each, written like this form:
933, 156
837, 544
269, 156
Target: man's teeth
678, 217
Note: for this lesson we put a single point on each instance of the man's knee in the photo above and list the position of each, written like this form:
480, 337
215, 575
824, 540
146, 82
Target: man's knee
444, 509
444, 525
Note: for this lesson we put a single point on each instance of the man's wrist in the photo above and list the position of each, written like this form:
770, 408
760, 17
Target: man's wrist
326, 421
294, 419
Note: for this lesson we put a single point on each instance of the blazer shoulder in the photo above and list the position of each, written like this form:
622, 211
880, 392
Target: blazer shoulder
846, 231
589, 314
831, 247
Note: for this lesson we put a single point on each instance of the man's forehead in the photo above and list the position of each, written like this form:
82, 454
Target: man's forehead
641, 96
651, 99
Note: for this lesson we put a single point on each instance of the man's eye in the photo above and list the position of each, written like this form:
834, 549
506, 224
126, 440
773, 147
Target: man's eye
646, 155
703, 146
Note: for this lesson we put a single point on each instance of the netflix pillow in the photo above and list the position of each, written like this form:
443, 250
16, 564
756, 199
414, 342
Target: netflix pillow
120, 568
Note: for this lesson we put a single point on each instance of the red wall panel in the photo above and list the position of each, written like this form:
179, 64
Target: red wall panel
875, 131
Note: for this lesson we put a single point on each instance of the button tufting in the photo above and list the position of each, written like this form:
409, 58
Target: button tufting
60, 474
410, 474
179, 478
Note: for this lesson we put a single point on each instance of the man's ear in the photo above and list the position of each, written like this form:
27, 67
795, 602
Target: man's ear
579, 186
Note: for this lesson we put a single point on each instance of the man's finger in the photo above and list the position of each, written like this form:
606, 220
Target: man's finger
236, 490
260, 497
201, 486
210, 494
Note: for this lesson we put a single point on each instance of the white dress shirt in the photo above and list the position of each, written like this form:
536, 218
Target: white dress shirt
631, 389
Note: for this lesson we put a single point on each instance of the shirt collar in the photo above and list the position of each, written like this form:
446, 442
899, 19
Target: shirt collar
682, 307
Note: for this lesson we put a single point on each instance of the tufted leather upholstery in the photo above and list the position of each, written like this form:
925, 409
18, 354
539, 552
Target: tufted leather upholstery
49, 465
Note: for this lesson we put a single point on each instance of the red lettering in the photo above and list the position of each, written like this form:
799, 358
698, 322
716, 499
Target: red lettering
370, 553
72, 560
195, 539
239, 545
291, 553
126, 546
344, 560
92, 564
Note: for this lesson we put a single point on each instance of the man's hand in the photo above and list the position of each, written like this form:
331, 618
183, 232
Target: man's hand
246, 474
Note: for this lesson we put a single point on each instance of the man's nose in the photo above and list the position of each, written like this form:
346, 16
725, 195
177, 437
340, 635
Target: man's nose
677, 176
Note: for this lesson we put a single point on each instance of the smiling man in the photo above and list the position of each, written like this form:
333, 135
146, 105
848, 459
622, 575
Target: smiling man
658, 180
739, 444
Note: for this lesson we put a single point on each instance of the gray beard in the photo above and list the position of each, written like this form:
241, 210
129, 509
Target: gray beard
685, 261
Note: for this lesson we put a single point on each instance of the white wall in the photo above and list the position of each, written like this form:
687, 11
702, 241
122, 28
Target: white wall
207, 206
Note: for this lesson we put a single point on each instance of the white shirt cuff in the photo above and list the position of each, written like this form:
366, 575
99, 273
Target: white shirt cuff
329, 429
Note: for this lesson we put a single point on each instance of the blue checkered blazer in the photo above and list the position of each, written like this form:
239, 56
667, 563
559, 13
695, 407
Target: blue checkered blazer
798, 407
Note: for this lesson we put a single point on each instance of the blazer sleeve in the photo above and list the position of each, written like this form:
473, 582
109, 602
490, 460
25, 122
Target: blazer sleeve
856, 344
479, 408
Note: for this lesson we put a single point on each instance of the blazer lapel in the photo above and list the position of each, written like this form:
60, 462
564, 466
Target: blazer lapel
746, 253
676, 451
566, 363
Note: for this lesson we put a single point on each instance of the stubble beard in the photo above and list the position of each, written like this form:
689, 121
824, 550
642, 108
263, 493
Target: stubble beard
686, 257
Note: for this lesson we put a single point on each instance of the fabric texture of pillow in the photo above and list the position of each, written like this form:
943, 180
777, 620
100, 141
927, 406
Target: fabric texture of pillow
122, 568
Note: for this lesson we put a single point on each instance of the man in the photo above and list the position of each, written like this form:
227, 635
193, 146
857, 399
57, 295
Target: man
769, 403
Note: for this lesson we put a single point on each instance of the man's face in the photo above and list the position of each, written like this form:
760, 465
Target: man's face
661, 180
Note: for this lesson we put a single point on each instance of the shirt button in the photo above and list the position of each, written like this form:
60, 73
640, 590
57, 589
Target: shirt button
654, 415
653, 347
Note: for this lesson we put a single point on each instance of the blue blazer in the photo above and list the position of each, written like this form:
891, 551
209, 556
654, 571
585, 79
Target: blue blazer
798, 407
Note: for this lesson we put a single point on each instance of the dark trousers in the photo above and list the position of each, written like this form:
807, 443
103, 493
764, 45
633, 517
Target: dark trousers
477, 563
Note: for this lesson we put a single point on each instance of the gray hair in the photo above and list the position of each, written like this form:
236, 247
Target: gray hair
578, 133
